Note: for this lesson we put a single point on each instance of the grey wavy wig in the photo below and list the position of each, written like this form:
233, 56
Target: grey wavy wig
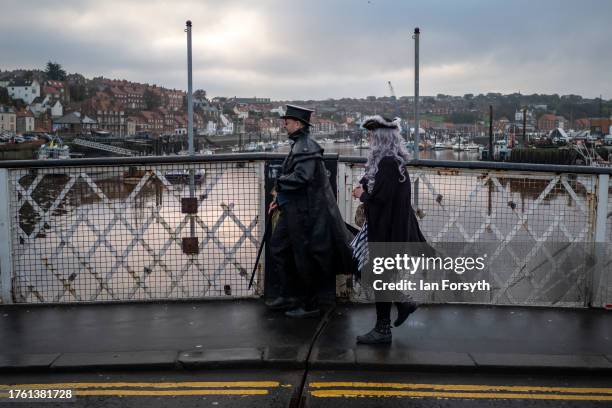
385, 142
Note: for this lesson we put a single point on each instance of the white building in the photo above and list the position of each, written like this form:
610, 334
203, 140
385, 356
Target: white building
518, 116
324, 127
228, 125
278, 110
211, 128
57, 110
8, 119
130, 125
25, 90
41, 105
241, 112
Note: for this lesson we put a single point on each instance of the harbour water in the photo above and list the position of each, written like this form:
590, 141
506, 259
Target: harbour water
348, 149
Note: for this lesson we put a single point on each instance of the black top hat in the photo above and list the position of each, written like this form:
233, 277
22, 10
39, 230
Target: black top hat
378, 122
298, 113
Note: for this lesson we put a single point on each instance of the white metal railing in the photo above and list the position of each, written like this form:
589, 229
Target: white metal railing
82, 234
519, 216
114, 231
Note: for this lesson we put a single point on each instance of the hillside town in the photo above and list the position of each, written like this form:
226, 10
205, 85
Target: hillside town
52, 102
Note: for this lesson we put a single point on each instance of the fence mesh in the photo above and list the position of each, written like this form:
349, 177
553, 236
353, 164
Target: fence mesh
116, 232
534, 225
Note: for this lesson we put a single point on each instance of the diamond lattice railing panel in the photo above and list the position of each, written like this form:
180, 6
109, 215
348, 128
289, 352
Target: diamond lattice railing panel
533, 224
115, 232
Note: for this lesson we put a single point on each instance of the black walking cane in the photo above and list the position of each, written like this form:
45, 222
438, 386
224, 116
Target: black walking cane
261, 246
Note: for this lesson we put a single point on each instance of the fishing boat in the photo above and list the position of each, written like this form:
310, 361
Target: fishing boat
182, 176
364, 145
254, 147
54, 150
439, 146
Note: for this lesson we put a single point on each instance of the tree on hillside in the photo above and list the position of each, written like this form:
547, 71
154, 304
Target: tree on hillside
5, 99
462, 117
152, 100
199, 94
55, 71
78, 92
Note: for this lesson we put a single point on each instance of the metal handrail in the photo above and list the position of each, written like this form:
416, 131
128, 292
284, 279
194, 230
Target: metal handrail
475, 165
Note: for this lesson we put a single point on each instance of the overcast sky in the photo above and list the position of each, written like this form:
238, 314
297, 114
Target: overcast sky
318, 49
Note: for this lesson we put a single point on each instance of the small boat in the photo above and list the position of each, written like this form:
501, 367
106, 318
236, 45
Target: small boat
364, 145
182, 176
269, 147
54, 150
254, 147
344, 140
100, 133
472, 147
439, 146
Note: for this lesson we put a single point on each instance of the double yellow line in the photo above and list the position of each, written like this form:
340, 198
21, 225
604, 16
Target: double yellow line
376, 389
241, 388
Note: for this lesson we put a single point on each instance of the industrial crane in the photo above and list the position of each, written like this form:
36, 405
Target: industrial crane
396, 101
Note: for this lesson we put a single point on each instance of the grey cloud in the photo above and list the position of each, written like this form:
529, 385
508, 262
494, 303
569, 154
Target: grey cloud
317, 48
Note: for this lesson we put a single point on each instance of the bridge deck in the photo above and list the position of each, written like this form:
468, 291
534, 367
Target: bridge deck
238, 333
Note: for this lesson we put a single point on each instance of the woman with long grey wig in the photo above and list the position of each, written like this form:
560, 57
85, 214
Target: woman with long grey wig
385, 191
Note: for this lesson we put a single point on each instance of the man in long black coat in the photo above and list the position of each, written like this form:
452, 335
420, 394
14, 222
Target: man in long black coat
310, 241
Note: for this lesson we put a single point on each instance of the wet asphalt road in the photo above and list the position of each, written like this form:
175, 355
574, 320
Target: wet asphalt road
337, 389
242, 388
334, 389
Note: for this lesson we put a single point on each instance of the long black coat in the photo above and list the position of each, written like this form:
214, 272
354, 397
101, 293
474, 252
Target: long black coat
305, 181
388, 208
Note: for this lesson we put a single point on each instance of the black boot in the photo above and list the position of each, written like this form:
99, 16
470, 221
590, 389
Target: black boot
404, 309
380, 334
302, 313
282, 303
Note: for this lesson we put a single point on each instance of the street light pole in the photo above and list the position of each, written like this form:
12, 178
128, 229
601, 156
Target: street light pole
190, 123
417, 136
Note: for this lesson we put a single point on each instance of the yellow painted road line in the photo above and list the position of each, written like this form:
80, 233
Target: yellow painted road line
461, 387
189, 384
124, 393
470, 395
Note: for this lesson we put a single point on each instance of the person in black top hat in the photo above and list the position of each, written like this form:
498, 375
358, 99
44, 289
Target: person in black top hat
310, 242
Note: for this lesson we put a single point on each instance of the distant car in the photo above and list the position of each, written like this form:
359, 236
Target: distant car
608, 140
